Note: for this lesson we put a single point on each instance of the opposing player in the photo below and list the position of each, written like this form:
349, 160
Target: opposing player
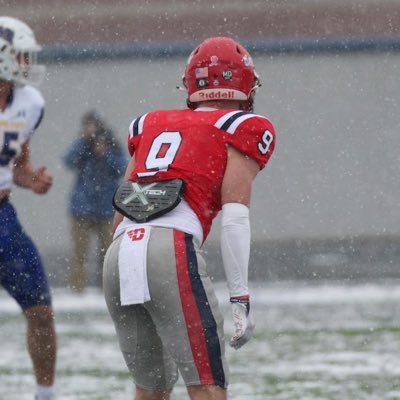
21, 270
186, 166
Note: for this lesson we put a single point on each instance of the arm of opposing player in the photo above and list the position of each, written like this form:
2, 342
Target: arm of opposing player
235, 239
24, 175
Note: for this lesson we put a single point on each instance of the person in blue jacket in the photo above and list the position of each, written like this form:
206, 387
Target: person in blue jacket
99, 162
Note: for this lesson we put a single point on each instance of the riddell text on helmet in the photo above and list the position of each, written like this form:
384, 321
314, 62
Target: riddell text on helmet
227, 95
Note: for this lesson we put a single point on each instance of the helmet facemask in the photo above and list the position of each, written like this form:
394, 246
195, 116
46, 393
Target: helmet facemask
252, 94
8, 61
29, 71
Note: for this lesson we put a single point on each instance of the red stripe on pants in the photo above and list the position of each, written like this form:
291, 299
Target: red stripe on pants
192, 316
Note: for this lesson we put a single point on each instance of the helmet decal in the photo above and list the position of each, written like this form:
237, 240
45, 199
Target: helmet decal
201, 72
227, 74
7, 34
213, 61
202, 82
248, 61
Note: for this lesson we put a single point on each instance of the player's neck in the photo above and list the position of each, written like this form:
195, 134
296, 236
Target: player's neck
223, 104
5, 92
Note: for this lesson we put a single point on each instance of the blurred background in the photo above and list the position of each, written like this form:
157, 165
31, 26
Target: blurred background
327, 204
325, 211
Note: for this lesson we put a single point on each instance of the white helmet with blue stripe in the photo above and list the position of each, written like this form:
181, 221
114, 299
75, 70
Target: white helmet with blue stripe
18, 53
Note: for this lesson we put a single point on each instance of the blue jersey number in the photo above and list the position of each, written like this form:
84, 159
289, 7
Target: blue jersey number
9, 150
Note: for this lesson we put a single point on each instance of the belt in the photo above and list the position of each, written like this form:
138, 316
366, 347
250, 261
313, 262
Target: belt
4, 200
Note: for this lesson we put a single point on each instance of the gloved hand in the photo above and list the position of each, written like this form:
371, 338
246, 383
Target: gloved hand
243, 321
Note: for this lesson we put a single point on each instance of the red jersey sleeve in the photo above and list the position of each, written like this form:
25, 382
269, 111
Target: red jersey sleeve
134, 133
252, 135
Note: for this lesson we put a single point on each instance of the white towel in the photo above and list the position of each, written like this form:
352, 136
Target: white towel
132, 263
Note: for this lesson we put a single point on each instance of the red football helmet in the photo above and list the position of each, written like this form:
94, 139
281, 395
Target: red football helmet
220, 69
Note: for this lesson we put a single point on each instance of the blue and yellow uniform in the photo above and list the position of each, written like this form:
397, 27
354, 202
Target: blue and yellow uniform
21, 270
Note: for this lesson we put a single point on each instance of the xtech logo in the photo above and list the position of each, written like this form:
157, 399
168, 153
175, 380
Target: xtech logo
136, 234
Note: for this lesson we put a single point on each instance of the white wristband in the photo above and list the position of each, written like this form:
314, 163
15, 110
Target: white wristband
235, 247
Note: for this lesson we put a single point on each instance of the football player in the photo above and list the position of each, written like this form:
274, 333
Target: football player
187, 165
21, 270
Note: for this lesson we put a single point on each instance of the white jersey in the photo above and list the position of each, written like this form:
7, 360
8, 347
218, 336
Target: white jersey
18, 122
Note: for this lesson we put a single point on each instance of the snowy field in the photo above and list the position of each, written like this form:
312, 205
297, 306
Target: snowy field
313, 341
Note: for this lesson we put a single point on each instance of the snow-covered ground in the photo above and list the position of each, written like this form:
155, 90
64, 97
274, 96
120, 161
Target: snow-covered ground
313, 341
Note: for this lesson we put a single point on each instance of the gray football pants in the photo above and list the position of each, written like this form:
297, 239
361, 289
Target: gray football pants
181, 328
